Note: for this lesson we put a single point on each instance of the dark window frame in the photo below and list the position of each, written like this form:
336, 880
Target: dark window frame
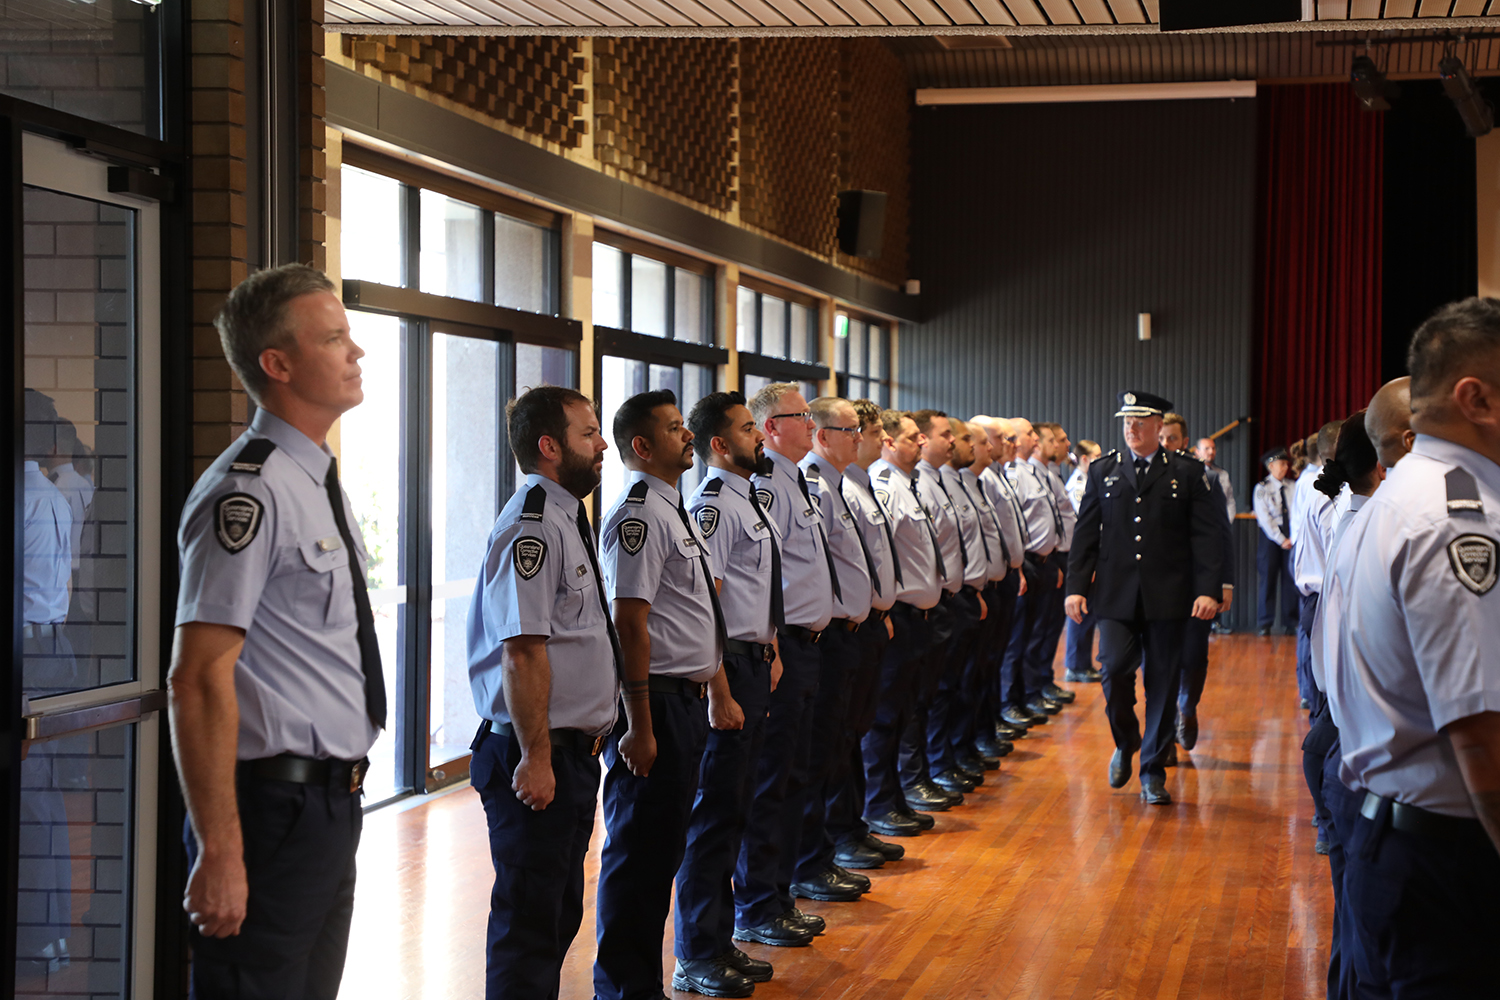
629, 249
783, 363
842, 373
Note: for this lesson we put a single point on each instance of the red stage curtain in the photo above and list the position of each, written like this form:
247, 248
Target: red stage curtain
1318, 320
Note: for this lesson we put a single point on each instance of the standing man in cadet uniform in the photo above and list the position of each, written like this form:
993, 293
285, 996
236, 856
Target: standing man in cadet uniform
1415, 691
1148, 558
276, 689
1025, 701
923, 570
1050, 456
1312, 522
671, 630
810, 585
1013, 524
1207, 449
1272, 501
745, 557
543, 667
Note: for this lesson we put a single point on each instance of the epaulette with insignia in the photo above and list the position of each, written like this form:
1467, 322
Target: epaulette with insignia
811, 472
1463, 493
535, 507
253, 456
712, 487
884, 473
637, 493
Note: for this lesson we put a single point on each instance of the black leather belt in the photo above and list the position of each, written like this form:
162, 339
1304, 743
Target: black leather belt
877, 616
847, 624
1422, 822
676, 685
798, 632
348, 774
909, 610
755, 650
568, 739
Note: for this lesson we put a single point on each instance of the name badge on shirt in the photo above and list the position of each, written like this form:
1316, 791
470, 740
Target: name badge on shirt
330, 543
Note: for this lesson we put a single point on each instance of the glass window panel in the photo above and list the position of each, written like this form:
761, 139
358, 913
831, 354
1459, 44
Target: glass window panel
75, 892
452, 255
648, 296
370, 243
856, 344
666, 377
804, 334
536, 365
525, 263
78, 558
690, 318
811, 390
772, 326
745, 319
878, 336
465, 502
369, 441
697, 381
754, 384
609, 295
88, 59
620, 378
858, 389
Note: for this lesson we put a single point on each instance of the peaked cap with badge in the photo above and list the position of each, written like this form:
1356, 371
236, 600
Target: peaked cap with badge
1135, 403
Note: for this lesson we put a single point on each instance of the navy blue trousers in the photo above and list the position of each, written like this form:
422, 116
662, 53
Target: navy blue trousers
846, 786
981, 673
300, 842
763, 874
1273, 564
1080, 654
944, 622
1344, 979
705, 883
1156, 648
1306, 687
1013, 686
1041, 649
950, 713
536, 905
841, 652
898, 678
646, 820
1194, 665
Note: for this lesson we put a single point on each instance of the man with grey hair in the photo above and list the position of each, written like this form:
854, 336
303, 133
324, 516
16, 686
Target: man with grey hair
276, 690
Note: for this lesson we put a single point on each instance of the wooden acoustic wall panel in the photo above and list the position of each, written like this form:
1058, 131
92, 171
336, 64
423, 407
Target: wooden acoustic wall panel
875, 145
530, 83
664, 113
789, 117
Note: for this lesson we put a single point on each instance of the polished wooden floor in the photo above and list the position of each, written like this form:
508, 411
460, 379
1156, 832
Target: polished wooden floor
1047, 883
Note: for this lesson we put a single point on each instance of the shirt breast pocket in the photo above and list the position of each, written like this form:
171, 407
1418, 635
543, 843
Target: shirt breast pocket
325, 589
757, 546
684, 566
579, 599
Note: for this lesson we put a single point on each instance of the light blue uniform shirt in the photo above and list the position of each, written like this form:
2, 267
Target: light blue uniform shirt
874, 521
537, 579
920, 587
1325, 629
944, 518
1418, 626
46, 553
989, 525
826, 484
649, 554
1269, 499
1067, 515
807, 591
260, 551
739, 552
1312, 523
79, 493
1038, 507
970, 528
1002, 497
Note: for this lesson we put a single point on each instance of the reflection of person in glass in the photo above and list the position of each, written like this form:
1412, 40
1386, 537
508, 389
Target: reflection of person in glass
47, 667
276, 690
77, 488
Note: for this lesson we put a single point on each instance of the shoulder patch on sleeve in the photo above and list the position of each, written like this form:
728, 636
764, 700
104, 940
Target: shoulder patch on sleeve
708, 520
632, 534
1463, 493
237, 518
535, 507
765, 497
712, 487
637, 493
252, 457
528, 554
1474, 559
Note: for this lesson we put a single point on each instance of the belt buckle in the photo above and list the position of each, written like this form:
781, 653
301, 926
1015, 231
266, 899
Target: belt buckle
814, 636
357, 775
598, 745
767, 653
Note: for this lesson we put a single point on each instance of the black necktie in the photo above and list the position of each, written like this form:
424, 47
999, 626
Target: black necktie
778, 604
1140, 470
984, 541
1015, 508
1044, 479
937, 549
963, 550
833, 572
369, 646
869, 562
586, 532
1286, 523
713, 593
890, 539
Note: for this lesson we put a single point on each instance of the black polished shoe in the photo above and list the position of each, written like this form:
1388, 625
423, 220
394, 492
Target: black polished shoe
860, 882
1305, 705
974, 763
810, 922
1005, 731
1119, 768
1089, 676
891, 852
1322, 846
713, 977
1154, 790
927, 798
1187, 729
1263, 631
988, 751
1017, 717
1056, 693
954, 780
752, 969
922, 820
1171, 760
1042, 706
828, 886
782, 932
893, 824
854, 854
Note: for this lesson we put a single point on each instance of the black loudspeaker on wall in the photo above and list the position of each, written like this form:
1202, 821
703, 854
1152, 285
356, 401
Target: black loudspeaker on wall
1184, 15
861, 222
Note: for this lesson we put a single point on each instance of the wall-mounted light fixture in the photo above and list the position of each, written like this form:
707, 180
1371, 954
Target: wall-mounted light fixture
1143, 326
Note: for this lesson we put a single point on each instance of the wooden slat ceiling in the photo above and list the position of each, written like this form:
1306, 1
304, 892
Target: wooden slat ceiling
813, 16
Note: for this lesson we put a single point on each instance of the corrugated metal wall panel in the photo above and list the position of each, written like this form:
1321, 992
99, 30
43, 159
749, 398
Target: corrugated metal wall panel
1039, 232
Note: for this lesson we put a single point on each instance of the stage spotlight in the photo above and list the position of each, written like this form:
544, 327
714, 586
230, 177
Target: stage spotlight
1374, 91
1476, 112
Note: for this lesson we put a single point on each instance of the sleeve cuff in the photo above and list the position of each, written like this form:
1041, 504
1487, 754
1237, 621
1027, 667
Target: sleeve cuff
215, 614
525, 626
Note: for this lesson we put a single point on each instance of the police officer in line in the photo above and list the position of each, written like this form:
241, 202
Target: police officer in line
672, 638
1206, 450
1312, 522
953, 622
745, 557
1050, 456
1078, 658
543, 667
834, 446
1012, 519
1149, 556
1272, 502
1413, 689
274, 626
923, 569
854, 845
1024, 702
764, 911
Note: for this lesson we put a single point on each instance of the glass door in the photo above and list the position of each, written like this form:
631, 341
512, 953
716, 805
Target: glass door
91, 654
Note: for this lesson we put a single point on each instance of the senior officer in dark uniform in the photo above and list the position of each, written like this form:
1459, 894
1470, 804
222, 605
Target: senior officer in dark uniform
543, 667
276, 689
745, 558
671, 628
1146, 558
1415, 688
